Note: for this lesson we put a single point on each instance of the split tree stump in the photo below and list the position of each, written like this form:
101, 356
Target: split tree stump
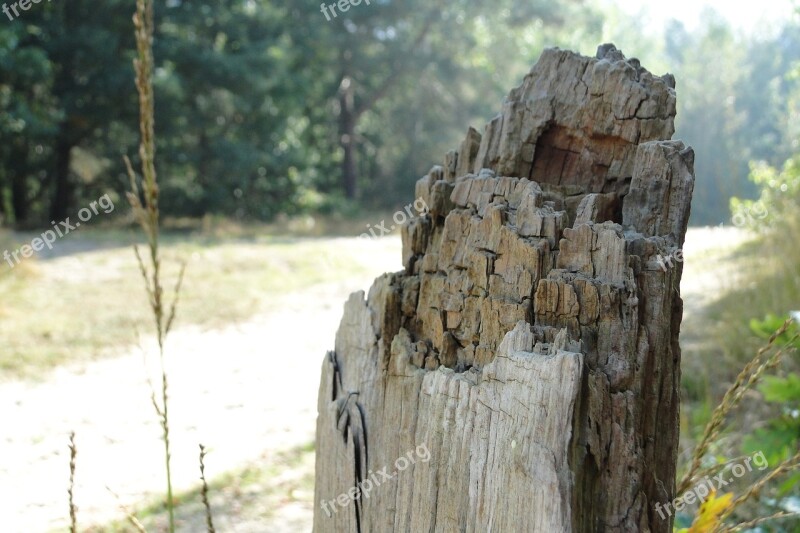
531, 343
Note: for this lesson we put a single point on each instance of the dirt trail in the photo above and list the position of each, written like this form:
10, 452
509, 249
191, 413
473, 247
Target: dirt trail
708, 269
238, 390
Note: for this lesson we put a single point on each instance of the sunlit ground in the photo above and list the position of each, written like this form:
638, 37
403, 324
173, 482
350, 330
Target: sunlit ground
256, 317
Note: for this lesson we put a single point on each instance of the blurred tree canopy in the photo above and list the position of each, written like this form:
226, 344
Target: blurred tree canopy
267, 107
736, 104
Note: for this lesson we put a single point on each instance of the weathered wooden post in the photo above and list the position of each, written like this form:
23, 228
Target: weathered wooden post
521, 374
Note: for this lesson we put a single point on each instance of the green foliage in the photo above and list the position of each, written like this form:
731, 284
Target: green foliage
406, 79
779, 196
231, 116
736, 103
257, 101
781, 437
233, 91
775, 214
771, 323
782, 390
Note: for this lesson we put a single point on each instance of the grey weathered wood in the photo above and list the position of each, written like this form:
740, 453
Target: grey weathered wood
531, 343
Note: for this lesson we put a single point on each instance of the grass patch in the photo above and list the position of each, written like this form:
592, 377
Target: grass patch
276, 490
771, 268
88, 302
765, 275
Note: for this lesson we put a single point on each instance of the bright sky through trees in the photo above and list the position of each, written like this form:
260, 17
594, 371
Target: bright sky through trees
742, 14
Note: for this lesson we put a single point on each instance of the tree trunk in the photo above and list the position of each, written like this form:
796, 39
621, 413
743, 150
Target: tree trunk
19, 198
19, 187
62, 198
522, 372
347, 134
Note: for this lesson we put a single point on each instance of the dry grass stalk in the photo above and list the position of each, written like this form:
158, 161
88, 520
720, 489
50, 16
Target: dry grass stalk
144, 204
713, 470
128, 513
204, 493
758, 521
73, 452
135, 522
746, 379
786, 466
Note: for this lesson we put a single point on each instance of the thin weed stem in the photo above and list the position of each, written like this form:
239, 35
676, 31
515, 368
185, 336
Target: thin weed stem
73, 453
128, 513
747, 378
144, 204
757, 522
204, 493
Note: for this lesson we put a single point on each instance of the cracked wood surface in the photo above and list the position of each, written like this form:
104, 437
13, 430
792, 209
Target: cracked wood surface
531, 342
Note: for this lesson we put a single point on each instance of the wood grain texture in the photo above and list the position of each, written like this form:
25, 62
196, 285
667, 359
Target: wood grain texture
531, 342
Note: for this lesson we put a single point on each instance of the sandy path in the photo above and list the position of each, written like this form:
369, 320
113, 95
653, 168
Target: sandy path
239, 390
708, 270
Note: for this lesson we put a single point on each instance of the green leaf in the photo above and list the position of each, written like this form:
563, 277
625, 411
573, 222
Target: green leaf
777, 442
771, 323
781, 390
789, 485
